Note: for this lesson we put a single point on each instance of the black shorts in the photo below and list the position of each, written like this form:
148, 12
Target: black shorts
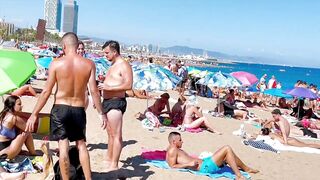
67, 122
182, 83
114, 103
5, 144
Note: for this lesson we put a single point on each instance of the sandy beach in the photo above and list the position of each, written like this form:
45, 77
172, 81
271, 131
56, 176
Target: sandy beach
286, 165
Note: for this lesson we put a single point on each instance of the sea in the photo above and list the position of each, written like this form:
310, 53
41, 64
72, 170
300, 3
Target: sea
286, 75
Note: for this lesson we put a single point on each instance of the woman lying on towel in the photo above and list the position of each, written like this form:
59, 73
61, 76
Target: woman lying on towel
12, 126
194, 118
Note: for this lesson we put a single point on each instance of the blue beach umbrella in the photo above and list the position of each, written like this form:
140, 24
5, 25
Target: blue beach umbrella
44, 62
102, 66
219, 79
277, 93
154, 78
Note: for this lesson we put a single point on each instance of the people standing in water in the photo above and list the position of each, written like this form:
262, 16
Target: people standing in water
118, 80
71, 74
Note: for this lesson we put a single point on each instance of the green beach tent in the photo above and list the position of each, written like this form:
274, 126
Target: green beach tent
16, 67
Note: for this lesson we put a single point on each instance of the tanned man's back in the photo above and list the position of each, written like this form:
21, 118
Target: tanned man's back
73, 73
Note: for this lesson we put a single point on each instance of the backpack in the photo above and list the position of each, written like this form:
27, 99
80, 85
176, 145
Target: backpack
75, 170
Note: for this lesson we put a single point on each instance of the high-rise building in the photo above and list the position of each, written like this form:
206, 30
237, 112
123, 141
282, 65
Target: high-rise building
52, 14
8, 27
70, 16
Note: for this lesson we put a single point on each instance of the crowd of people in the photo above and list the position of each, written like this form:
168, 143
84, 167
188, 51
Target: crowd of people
76, 85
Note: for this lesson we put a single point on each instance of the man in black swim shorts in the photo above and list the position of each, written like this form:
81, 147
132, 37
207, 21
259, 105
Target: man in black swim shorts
71, 74
118, 80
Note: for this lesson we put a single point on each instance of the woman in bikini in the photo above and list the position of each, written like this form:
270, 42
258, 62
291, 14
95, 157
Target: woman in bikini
12, 126
194, 118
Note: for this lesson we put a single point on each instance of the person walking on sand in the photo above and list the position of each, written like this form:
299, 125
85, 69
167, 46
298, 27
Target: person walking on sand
71, 73
118, 80
177, 158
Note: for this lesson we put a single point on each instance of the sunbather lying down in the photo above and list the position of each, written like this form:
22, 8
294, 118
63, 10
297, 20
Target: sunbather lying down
290, 140
177, 158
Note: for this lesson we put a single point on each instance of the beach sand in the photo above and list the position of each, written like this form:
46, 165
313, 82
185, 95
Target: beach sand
286, 165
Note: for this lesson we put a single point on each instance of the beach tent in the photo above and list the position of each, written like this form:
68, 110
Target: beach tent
16, 68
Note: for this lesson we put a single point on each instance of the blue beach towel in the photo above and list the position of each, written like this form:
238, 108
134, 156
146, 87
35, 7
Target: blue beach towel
226, 171
25, 165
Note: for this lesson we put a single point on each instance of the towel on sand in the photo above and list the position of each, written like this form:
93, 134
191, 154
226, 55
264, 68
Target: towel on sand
281, 147
259, 145
223, 172
25, 165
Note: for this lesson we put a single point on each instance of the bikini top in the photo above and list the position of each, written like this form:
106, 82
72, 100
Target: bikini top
8, 133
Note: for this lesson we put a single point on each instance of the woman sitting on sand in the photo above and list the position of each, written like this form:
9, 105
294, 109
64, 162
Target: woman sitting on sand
230, 109
12, 135
178, 111
283, 104
194, 118
153, 112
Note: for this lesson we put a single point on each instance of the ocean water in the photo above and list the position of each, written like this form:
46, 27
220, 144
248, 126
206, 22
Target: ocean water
286, 75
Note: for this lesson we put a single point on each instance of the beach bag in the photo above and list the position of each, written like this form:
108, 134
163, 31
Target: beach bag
75, 170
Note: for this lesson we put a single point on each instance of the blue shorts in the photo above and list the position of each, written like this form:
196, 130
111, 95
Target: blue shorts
208, 166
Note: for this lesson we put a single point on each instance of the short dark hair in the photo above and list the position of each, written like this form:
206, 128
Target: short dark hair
150, 59
231, 91
276, 111
114, 45
173, 134
70, 39
265, 131
80, 42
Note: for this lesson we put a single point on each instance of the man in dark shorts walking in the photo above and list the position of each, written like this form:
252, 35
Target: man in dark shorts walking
71, 74
118, 80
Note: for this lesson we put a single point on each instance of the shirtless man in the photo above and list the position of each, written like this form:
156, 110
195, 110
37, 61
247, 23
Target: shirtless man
118, 79
282, 131
177, 158
71, 73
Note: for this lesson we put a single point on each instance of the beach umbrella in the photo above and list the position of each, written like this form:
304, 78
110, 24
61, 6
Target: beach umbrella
44, 62
247, 79
154, 78
277, 93
302, 93
44, 52
16, 68
102, 66
219, 79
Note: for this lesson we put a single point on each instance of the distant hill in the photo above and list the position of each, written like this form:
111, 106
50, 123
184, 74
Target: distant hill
184, 50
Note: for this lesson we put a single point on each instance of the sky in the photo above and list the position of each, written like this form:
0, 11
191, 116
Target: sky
287, 31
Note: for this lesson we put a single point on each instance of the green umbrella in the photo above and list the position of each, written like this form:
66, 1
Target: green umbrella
16, 67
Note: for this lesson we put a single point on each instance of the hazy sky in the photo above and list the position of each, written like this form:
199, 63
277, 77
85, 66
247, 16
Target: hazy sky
287, 30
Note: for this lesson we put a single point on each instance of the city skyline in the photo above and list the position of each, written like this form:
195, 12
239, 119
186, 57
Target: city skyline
287, 31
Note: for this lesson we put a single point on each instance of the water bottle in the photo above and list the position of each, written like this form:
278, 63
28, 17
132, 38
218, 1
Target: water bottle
242, 131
